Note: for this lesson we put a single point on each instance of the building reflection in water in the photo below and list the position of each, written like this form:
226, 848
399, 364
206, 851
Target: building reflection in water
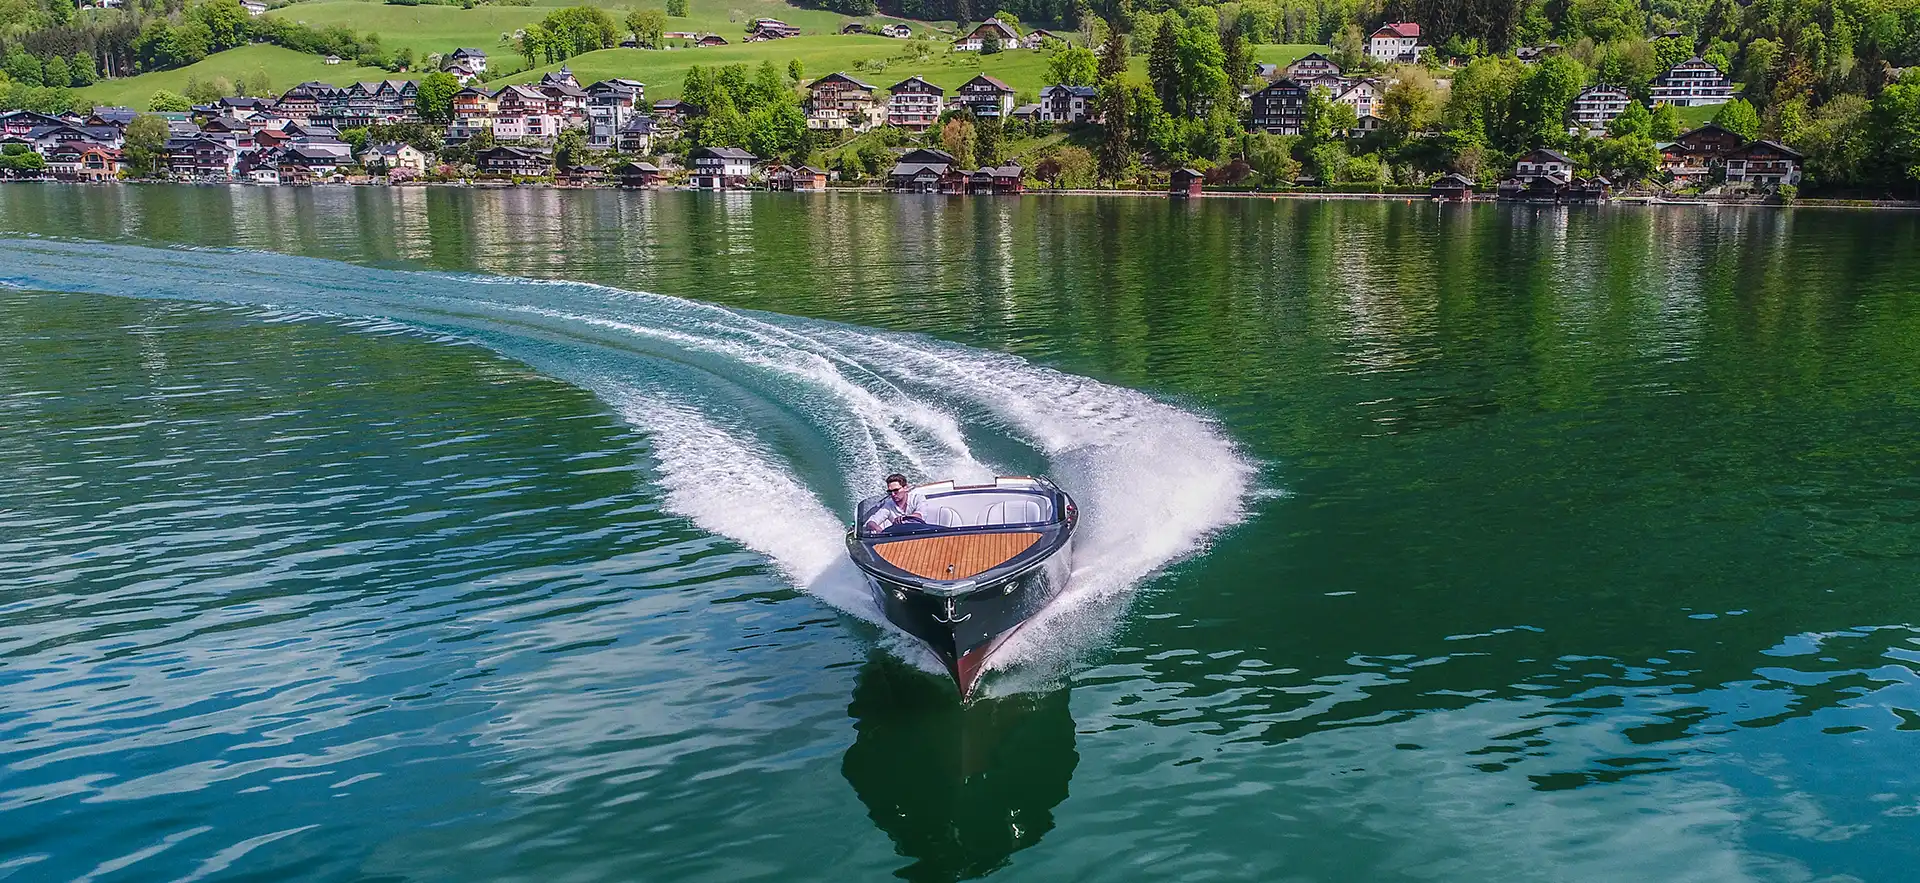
958, 789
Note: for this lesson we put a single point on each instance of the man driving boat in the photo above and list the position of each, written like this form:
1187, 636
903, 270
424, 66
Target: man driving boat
903, 504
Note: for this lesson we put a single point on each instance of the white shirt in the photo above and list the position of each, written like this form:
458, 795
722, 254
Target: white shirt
890, 513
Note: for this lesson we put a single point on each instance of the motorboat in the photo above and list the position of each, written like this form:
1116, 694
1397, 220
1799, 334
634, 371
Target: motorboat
979, 562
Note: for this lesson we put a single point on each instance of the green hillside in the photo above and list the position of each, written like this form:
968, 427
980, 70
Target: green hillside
664, 71
284, 68
441, 29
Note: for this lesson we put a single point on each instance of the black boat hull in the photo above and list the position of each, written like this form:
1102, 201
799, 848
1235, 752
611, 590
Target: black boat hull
965, 629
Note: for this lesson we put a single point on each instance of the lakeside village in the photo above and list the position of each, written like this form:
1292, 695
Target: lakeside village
606, 133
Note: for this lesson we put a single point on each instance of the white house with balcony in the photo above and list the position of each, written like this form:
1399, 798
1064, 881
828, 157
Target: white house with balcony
1594, 108
1692, 83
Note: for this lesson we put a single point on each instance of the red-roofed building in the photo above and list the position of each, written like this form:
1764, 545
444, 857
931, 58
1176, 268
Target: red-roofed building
1399, 41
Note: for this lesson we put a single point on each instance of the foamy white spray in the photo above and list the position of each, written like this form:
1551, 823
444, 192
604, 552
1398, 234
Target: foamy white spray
1154, 481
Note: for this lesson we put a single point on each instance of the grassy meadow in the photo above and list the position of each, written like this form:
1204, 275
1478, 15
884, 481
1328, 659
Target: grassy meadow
285, 68
427, 30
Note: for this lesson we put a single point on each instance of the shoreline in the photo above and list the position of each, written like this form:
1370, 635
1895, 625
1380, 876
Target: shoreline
1803, 202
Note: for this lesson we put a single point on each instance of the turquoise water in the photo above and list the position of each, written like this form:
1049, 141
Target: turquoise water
435, 534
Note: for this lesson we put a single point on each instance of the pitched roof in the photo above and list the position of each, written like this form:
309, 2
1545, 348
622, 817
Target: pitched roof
724, 153
1554, 155
1775, 145
1005, 29
466, 52
989, 80
839, 76
1081, 91
1399, 29
914, 79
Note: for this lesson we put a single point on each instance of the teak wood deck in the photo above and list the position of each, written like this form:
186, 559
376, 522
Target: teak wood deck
954, 557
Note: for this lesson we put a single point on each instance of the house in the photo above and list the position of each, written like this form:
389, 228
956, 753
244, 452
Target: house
802, 179
992, 28
669, 114
310, 159
1452, 187
200, 159
473, 110
985, 96
1544, 163
1066, 104
1265, 71
519, 162
838, 101
1009, 179
331, 59
254, 7
1682, 165
914, 103
1309, 66
526, 112
401, 157
1692, 83
919, 170
770, 29
1280, 108
1361, 95
1366, 125
119, 117
1595, 189
638, 175
264, 173
1710, 143
462, 74
1764, 164
1185, 183
1594, 108
722, 168
581, 176
20, 122
853, 27
897, 31
83, 161
710, 40
1038, 37
1395, 42
474, 59
610, 105
1533, 54
636, 136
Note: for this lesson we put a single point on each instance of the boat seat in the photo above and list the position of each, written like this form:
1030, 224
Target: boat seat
947, 516
1013, 512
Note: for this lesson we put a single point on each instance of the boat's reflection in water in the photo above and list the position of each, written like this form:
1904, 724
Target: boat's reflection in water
959, 789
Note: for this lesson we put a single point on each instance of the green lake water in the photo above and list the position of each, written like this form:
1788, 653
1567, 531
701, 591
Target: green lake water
434, 534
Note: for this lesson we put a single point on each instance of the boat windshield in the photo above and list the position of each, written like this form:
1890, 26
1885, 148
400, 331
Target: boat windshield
987, 507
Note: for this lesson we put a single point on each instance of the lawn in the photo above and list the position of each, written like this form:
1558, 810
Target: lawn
665, 70
441, 29
284, 68
1695, 117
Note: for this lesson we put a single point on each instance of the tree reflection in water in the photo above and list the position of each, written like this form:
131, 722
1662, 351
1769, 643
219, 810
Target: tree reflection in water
958, 789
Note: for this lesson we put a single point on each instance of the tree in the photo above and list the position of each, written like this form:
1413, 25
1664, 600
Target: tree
648, 26
1479, 110
796, 72
1544, 97
1411, 103
163, 101
19, 162
990, 44
1635, 121
1665, 125
145, 145
56, 73
1838, 142
987, 141
1072, 66
1113, 56
202, 92
1897, 116
82, 69
956, 137
1163, 66
23, 68
576, 29
435, 101
1628, 159
570, 148
1238, 62
1350, 49
226, 23
1203, 77
1670, 51
1271, 158
1738, 116
677, 8
356, 138
1115, 153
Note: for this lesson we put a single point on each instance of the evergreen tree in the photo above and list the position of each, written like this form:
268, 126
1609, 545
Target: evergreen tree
82, 68
1163, 66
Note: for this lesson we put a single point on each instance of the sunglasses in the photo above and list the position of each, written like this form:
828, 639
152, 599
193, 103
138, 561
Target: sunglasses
893, 489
